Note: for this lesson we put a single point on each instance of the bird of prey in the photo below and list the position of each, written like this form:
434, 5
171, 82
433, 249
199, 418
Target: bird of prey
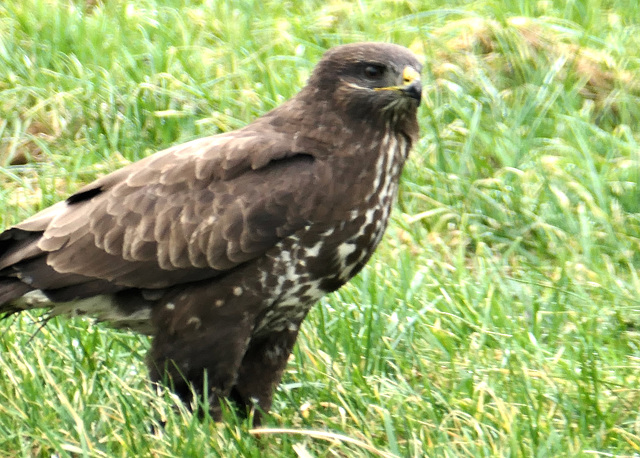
218, 247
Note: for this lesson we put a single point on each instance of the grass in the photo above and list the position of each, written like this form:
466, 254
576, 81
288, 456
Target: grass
499, 318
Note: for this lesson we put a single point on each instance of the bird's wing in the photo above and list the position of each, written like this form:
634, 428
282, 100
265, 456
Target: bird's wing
184, 214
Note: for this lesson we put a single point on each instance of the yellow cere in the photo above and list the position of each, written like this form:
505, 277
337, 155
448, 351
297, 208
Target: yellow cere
409, 75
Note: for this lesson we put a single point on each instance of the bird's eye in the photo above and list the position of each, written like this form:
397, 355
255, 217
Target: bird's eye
374, 72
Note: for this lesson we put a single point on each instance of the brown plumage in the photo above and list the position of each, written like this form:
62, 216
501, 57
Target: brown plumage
219, 247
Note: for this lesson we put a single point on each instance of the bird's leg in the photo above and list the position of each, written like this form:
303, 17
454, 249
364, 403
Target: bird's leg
200, 348
208, 369
261, 370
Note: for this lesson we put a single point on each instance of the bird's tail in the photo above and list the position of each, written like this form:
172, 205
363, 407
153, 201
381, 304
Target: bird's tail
10, 290
16, 247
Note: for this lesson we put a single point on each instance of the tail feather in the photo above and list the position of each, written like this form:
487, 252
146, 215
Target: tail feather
11, 289
17, 245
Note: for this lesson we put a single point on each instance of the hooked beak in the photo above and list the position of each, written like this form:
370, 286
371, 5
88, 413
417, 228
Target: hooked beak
411, 85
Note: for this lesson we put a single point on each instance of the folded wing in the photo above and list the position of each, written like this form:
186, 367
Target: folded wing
185, 214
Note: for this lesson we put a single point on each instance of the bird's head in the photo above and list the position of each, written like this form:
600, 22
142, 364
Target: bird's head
370, 80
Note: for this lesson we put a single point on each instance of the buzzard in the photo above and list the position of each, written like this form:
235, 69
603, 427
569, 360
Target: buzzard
219, 247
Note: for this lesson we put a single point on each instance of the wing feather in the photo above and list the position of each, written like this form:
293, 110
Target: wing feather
184, 214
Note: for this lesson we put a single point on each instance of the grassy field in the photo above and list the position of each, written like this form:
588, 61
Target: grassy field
500, 317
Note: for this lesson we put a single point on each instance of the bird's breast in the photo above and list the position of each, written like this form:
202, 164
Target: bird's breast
322, 257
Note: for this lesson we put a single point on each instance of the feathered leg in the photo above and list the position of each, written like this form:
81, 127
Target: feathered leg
200, 343
261, 370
